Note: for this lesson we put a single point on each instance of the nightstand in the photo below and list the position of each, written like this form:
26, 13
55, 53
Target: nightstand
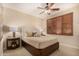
13, 43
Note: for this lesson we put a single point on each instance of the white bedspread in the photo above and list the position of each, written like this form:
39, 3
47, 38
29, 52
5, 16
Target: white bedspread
40, 42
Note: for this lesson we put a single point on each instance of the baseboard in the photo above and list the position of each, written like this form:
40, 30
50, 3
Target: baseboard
68, 45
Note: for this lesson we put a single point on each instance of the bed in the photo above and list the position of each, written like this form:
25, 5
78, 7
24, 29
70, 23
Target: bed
40, 46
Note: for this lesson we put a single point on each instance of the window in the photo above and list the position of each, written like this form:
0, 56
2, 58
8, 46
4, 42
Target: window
61, 25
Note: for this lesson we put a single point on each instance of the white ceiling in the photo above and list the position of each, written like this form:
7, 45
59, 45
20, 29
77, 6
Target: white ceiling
31, 8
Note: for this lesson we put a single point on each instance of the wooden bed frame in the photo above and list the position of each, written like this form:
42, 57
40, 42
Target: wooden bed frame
40, 52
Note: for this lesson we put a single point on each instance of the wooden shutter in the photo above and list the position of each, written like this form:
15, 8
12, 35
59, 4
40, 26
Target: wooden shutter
59, 25
67, 24
49, 26
54, 25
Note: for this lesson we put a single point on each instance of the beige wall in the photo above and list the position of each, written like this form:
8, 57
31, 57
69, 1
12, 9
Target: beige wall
15, 18
71, 41
1, 21
1, 14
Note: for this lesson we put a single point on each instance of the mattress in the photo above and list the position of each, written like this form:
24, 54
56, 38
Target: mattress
40, 42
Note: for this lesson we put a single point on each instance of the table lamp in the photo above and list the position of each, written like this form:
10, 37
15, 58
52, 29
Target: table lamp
13, 30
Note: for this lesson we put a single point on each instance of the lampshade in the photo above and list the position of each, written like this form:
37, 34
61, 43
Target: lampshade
13, 29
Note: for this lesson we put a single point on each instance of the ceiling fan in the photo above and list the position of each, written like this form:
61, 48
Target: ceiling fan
48, 8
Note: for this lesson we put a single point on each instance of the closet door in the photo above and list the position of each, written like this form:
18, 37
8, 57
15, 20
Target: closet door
59, 25
68, 24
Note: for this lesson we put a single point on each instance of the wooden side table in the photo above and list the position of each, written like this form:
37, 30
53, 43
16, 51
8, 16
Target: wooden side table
13, 43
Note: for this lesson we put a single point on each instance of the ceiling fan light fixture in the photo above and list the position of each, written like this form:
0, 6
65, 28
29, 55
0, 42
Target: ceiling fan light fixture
49, 7
48, 12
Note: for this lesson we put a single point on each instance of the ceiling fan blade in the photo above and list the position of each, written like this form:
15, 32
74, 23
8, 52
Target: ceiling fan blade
40, 8
55, 9
42, 12
50, 4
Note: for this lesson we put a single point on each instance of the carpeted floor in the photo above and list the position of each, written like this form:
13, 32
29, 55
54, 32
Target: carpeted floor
63, 51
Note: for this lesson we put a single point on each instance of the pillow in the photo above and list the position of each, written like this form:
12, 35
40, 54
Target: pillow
24, 34
37, 34
43, 34
29, 34
33, 34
